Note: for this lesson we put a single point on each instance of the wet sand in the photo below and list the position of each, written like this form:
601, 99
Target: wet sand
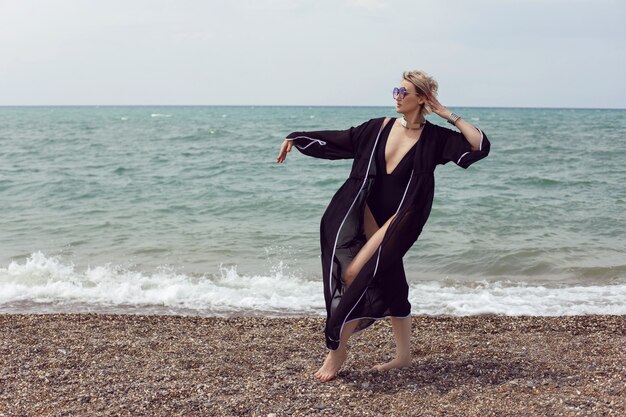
132, 365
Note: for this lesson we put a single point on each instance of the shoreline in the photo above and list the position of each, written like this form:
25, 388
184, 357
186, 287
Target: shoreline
129, 364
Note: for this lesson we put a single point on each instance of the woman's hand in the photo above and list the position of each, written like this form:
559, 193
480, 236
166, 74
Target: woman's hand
471, 133
438, 108
284, 149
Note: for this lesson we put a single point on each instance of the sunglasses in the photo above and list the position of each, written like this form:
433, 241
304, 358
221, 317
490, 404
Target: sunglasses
401, 92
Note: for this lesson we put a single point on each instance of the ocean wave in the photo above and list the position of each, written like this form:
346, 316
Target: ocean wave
42, 283
516, 299
42, 279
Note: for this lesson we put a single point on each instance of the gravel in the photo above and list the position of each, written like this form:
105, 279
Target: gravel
132, 365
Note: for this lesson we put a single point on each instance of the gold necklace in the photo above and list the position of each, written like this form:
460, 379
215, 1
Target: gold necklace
408, 125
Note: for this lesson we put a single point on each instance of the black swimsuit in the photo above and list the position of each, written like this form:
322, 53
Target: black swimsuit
387, 191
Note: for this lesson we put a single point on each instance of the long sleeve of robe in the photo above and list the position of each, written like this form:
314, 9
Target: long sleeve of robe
380, 289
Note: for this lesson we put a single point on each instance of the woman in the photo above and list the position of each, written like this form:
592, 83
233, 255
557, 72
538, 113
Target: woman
379, 212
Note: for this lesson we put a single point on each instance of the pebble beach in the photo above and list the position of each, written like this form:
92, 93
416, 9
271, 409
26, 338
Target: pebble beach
136, 365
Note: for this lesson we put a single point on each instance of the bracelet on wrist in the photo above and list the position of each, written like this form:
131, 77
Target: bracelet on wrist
453, 118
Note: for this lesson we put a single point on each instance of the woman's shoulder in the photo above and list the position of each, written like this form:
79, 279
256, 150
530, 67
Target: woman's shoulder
367, 126
442, 129
375, 122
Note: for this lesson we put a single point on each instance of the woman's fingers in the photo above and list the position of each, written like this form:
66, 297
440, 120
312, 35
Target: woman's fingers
282, 153
284, 149
434, 103
436, 106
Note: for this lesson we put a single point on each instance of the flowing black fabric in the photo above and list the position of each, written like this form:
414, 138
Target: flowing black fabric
380, 289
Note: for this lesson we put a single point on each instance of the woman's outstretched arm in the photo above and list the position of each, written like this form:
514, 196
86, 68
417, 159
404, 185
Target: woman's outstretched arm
325, 144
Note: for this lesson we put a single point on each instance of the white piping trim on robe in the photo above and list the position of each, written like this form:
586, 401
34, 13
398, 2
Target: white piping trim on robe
321, 142
459, 161
369, 164
480, 147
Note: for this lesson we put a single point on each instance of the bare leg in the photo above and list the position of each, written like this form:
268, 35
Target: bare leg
402, 334
370, 247
369, 223
336, 358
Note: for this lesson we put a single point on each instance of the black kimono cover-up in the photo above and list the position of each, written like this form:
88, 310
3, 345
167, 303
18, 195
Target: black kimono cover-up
380, 289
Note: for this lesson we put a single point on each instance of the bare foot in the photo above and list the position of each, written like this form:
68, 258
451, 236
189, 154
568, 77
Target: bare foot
331, 365
395, 363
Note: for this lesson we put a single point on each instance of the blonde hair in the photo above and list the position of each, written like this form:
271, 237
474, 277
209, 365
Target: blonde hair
425, 85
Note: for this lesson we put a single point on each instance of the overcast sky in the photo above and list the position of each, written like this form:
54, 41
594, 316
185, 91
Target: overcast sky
516, 53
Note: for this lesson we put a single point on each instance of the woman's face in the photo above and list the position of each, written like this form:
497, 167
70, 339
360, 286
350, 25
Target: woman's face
411, 102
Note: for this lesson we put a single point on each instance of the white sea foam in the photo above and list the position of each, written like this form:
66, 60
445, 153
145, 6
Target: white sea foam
160, 115
517, 299
45, 280
42, 281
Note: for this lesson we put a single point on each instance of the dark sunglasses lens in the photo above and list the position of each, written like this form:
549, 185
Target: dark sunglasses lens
396, 92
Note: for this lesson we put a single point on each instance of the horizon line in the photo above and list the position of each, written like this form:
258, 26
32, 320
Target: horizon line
301, 105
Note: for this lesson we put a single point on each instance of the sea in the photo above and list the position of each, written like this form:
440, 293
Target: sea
183, 210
